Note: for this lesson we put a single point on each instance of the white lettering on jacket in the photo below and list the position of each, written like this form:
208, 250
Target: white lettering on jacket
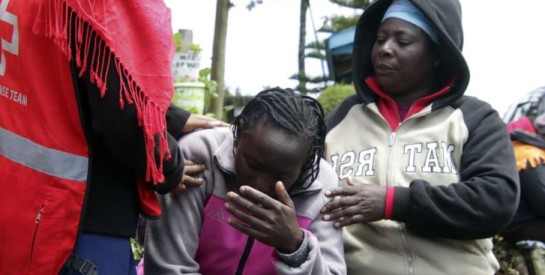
437, 159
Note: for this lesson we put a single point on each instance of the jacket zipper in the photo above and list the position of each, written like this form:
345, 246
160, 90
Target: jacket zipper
37, 222
390, 179
244, 257
392, 139
407, 250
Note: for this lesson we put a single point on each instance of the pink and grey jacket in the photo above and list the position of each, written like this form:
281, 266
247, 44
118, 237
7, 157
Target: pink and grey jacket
193, 237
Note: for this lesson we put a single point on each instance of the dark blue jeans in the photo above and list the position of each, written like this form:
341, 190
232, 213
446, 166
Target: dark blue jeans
111, 255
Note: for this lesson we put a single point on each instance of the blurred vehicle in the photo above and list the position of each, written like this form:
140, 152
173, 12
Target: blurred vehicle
530, 105
339, 55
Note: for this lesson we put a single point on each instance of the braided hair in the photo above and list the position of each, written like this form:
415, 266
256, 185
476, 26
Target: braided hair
295, 114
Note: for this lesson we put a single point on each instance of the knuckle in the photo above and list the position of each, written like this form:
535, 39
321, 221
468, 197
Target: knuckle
260, 199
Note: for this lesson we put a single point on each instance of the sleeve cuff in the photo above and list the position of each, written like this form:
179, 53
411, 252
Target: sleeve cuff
389, 202
173, 169
401, 204
298, 257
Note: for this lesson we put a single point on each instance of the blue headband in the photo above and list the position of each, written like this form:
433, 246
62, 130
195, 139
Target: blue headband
407, 11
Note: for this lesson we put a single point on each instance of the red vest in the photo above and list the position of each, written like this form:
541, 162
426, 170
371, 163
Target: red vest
43, 151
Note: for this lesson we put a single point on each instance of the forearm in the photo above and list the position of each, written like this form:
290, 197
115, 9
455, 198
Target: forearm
176, 120
478, 206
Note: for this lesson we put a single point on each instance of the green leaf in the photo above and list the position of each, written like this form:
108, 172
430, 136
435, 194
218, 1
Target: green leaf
332, 96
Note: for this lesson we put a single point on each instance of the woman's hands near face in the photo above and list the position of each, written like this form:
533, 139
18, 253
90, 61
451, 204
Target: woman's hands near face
355, 203
270, 221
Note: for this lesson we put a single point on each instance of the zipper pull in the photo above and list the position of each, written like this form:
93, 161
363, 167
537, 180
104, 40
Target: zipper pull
391, 139
39, 216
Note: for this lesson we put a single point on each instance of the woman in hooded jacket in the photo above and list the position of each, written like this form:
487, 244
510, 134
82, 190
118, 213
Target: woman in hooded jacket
427, 174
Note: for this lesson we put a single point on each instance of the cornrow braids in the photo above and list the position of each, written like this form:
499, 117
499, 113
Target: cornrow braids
296, 114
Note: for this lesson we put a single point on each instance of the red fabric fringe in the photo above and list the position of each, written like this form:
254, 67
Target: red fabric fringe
54, 22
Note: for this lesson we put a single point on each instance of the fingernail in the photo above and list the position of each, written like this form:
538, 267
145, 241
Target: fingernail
337, 225
227, 205
327, 217
328, 193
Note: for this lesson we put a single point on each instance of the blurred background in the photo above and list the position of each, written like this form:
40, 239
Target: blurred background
503, 46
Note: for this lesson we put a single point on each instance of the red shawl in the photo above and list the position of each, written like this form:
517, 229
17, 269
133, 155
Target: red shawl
144, 65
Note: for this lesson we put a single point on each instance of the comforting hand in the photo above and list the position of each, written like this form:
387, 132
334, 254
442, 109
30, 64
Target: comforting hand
269, 221
190, 170
202, 122
355, 203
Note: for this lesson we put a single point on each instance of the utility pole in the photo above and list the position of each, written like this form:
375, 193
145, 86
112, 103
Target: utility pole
218, 55
302, 87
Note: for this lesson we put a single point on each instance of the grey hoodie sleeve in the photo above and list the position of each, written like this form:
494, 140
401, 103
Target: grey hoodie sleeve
173, 240
326, 254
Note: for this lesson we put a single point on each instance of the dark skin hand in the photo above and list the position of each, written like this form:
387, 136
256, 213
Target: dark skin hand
355, 203
202, 122
272, 222
192, 169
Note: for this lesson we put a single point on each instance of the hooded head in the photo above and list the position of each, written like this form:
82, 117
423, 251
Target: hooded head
438, 19
407, 11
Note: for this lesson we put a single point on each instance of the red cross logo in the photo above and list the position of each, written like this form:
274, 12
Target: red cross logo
13, 46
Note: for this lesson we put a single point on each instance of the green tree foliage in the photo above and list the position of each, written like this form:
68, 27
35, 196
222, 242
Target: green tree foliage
177, 39
355, 4
331, 24
235, 103
339, 23
333, 95
252, 4
210, 88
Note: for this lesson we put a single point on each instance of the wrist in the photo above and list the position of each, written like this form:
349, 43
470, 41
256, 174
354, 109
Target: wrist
299, 256
295, 244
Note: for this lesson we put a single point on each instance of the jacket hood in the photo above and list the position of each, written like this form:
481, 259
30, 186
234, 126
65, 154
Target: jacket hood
445, 15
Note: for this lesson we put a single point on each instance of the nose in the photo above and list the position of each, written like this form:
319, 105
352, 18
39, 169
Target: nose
385, 48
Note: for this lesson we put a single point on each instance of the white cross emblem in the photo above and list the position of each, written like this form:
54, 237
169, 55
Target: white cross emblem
13, 46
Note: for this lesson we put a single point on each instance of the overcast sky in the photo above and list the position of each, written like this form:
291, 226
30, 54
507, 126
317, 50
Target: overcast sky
504, 43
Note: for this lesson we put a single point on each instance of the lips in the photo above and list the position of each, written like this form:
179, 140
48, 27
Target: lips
381, 69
